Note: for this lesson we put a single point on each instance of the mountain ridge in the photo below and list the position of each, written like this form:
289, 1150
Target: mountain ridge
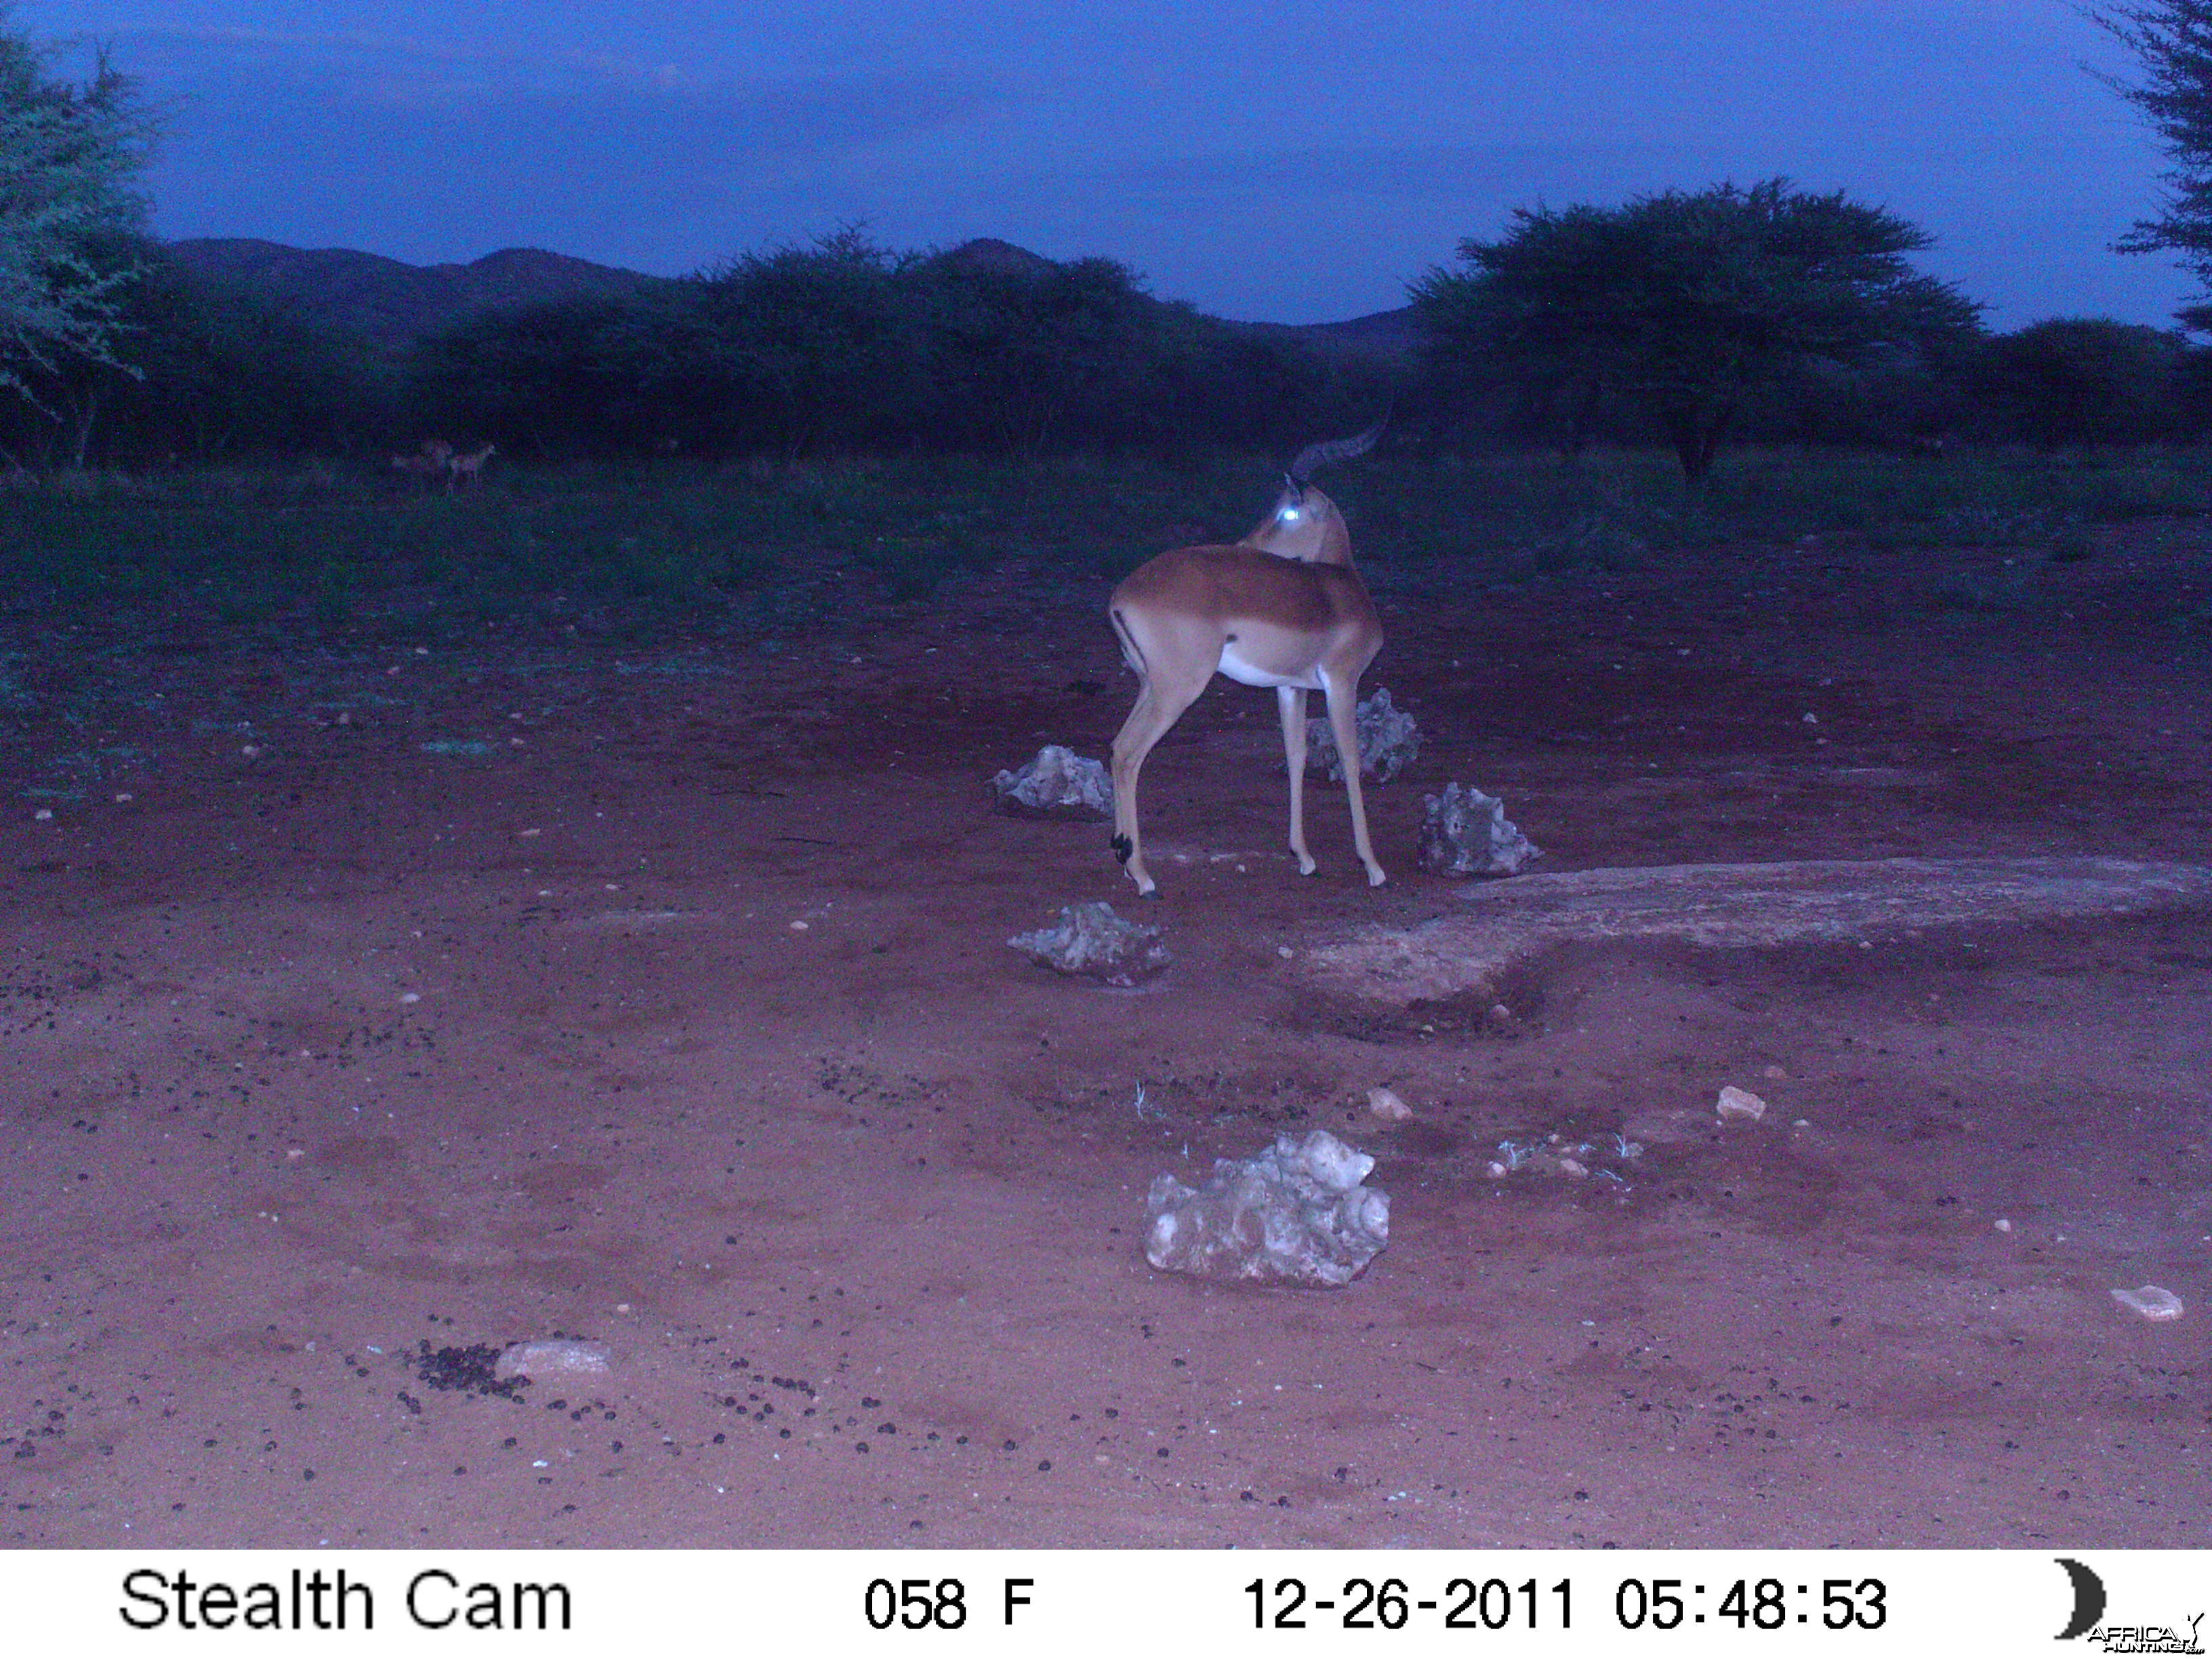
394, 302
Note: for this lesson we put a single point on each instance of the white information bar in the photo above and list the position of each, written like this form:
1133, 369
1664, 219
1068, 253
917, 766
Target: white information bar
1281, 1601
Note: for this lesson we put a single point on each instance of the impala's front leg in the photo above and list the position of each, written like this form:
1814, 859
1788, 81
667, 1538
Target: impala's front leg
1292, 700
1343, 699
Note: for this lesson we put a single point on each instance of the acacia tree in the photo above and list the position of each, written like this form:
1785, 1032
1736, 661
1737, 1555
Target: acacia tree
1687, 305
2174, 41
70, 156
1023, 360
808, 348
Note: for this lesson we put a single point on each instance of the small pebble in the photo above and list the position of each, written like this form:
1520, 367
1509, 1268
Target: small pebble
1386, 1104
1741, 1102
2151, 1301
2003, 1226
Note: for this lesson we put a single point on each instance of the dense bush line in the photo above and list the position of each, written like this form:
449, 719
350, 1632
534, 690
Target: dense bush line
845, 348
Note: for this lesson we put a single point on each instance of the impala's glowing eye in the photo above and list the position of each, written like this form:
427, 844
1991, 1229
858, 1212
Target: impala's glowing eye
1290, 515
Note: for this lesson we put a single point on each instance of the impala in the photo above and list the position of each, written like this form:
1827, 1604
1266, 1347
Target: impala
467, 469
433, 460
1282, 608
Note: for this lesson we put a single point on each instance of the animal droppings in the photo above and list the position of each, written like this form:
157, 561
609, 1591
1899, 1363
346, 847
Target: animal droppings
465, 1369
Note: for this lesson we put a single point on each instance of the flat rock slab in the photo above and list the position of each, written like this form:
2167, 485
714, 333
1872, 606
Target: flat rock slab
1507, 924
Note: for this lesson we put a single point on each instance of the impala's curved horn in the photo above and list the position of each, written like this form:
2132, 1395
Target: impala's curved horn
1342, 449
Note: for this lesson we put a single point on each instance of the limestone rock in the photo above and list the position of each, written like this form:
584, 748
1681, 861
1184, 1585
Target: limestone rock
550, 1356
1091, 940
1296, 1213
1467, 833
1058, 784
1388, 739
2151, 1301
1739, 1104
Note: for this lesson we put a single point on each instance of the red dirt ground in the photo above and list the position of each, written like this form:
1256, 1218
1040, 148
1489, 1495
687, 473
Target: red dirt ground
680, 1017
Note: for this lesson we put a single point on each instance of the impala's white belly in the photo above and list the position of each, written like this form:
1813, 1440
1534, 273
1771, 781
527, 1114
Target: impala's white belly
1245, 673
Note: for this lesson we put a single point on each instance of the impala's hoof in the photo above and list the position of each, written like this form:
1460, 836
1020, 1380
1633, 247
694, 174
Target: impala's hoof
1375, 878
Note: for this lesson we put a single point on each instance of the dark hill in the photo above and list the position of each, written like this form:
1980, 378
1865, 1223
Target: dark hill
393, 301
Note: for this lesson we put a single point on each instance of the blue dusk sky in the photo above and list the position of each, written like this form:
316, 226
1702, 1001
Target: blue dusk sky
1295, 161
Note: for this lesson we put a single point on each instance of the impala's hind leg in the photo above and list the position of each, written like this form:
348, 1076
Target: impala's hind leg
1155, 711
1172, 680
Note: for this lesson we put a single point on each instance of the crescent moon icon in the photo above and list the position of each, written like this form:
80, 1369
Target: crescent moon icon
2088, 1599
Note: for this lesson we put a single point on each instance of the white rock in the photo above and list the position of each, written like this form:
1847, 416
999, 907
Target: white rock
1092, 940
550, 1356
1058, 784
1388, 739
1740, 1102
1467, 833
2151, 1301
1386, 1104
1296, 1213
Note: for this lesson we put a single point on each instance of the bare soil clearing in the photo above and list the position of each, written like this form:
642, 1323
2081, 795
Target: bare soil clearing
661, 998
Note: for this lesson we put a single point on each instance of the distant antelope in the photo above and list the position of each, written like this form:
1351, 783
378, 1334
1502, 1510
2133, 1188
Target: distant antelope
1282, 608
468, 469
433, 461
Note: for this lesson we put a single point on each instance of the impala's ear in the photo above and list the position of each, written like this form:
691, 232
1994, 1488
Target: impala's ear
1293, 488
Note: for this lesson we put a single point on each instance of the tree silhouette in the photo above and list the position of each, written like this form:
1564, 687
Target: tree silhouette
1686, 305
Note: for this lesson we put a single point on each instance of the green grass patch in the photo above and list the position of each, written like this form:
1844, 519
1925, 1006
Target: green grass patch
325, 548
